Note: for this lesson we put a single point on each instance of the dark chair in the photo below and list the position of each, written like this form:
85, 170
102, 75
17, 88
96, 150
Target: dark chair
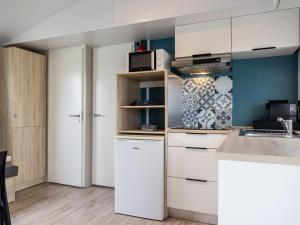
4, 209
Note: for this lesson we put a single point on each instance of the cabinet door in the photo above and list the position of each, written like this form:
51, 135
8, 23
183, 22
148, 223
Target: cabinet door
39, 90
108, 61
29, 154
278, 29
21, 88
65, 109
201, 38
194, 163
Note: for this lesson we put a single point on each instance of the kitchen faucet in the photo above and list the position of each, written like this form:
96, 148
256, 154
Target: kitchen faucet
287, 125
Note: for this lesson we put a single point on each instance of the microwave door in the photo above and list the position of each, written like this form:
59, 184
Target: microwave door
141, 61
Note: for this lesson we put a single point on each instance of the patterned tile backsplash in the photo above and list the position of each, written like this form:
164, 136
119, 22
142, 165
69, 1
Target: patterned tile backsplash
207, 102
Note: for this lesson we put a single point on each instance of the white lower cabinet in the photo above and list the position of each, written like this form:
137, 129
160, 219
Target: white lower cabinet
196, 163
193, 195
192, 172
196, 140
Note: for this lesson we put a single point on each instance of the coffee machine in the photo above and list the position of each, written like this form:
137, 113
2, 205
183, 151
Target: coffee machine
279, 109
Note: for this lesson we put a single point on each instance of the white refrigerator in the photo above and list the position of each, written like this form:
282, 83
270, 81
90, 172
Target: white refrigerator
139, 177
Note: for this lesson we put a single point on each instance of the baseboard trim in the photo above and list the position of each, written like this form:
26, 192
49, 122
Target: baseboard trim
30, 183
193, 216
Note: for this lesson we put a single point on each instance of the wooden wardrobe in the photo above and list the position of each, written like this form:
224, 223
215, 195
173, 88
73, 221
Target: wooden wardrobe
23, 113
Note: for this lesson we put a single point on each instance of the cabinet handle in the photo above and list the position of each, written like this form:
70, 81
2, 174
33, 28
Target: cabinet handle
98, 115
198, 180
135, 148
74, 115
195, 133
202, 55
263, 48
196, 148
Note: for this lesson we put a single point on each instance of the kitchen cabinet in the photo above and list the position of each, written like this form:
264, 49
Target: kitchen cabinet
23, 113
252, 35
70, 116
27, 155
192, 175
202, 38
193, 195
145, 10
107, 61
268, 193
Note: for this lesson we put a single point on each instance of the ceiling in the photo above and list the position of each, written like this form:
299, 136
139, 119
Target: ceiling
27, 16
17, 16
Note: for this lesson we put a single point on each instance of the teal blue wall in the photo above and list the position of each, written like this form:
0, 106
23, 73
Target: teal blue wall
255, 81
167, 44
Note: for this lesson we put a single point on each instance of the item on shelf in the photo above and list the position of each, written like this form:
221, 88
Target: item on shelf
149, 127
141, 46
144, 102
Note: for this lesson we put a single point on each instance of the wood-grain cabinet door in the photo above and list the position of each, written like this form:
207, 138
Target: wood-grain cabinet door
39, 90
21, 89
29, 153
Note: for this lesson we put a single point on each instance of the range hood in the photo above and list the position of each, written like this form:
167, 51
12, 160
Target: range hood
202, 64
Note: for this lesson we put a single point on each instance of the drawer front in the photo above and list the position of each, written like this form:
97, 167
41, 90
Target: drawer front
192, 163
192, 195
196, 140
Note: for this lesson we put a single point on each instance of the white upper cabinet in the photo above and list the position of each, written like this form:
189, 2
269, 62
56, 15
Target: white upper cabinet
201, 38
253, 35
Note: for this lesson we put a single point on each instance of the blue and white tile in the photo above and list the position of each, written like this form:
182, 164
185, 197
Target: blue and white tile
223, 84
223, 101
205, 85
206, 119
206, 101
223, 119
189, 86
190, 102
190, 119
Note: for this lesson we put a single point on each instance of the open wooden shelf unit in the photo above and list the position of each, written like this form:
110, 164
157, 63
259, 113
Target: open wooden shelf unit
129, 90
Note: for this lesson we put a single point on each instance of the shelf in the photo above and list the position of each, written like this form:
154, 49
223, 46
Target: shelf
142, 132
152, 75
142, 107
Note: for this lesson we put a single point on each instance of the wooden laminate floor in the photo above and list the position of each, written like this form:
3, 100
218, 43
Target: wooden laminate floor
52, 204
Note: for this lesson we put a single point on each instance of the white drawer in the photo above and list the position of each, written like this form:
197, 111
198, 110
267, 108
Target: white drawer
192, 163
192, 195
196, 140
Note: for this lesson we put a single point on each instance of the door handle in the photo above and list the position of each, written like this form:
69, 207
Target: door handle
75, 115
98, 115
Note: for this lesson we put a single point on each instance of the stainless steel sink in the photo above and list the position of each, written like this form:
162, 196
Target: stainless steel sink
267, 133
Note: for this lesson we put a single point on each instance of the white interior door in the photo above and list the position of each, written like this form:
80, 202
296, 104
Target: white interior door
65, 109
107, 61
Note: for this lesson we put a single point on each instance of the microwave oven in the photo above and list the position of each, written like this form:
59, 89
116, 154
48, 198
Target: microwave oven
149, 60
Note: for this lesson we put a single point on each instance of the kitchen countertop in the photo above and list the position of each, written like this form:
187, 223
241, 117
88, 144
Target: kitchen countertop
260, 149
